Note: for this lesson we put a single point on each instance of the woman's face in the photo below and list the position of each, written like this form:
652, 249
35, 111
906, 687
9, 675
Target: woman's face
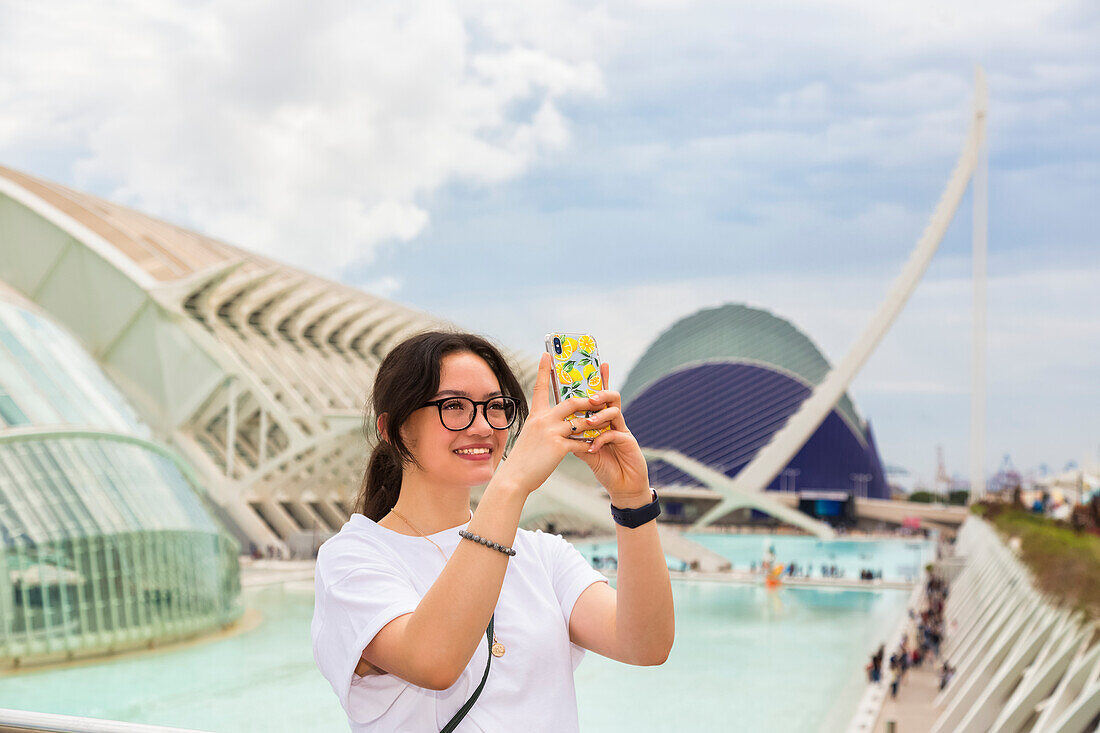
465, 457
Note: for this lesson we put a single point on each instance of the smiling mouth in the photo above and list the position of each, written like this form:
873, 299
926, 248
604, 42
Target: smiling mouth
473, 451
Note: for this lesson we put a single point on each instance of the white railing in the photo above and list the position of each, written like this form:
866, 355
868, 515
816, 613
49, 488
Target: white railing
25, 720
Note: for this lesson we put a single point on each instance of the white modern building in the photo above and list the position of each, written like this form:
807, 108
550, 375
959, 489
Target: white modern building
256, 373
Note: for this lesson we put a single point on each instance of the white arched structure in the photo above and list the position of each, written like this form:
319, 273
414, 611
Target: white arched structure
1024, 662
736, 498
786, 442
254, 372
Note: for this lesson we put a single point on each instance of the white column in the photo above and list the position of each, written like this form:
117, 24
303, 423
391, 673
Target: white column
263, 437
980, 230
230, 426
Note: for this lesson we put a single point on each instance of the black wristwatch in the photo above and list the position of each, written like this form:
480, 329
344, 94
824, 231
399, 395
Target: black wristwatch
632, 518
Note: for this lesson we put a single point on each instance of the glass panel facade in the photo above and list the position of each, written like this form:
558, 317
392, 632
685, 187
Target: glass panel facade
10, 414
50, 380
105, 543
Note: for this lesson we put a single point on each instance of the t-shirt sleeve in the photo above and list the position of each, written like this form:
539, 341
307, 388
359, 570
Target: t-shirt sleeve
351, 606
570, 573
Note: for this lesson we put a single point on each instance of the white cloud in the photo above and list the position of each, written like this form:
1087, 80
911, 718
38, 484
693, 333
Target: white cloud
312, 133
383, 287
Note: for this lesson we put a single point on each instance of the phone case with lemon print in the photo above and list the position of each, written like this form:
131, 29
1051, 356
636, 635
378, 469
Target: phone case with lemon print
575, 372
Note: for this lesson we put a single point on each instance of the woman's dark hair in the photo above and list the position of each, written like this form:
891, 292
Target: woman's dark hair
406, 379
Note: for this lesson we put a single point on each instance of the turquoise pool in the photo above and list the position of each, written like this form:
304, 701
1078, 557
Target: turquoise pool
894, 559
760, 660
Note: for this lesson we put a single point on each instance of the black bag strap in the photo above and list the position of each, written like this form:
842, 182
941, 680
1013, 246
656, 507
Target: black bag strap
473, 698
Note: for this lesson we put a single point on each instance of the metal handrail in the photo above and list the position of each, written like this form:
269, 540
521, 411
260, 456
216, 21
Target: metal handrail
13, 721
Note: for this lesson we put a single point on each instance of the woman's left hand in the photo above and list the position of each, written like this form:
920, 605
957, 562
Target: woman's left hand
614, 455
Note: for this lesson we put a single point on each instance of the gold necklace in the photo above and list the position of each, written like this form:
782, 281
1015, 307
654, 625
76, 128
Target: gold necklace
498, 648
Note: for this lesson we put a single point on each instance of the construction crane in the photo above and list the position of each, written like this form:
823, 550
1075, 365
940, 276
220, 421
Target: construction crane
942, 482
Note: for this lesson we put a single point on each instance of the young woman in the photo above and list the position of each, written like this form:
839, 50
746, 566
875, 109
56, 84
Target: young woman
404, 602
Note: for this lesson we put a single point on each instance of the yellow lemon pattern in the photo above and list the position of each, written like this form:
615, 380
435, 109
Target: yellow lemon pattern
595, 382
577, 369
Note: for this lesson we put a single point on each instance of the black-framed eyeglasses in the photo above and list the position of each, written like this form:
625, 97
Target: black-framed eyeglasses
458, 413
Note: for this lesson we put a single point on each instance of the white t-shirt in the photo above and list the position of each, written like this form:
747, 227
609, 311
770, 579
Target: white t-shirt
368, 575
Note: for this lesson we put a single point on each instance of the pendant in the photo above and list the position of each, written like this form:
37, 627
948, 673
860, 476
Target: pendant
498, 648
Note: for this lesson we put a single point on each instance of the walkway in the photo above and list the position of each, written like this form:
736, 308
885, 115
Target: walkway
912, 711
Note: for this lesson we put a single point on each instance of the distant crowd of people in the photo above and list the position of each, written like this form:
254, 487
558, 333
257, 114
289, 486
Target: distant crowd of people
795, 570
790, 570
925, 647
270, 552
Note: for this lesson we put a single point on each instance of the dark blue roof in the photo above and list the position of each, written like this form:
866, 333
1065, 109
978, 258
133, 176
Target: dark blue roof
721, 414
734, 333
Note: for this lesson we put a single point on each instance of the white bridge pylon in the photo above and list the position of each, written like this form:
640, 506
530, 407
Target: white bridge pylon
736, 497
787, 441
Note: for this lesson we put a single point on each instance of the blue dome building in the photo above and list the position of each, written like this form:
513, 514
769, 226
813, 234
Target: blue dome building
716, 387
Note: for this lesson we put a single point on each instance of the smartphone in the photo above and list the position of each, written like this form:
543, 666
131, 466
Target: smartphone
575, 372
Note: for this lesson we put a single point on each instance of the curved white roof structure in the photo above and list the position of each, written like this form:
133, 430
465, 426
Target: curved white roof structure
255, 372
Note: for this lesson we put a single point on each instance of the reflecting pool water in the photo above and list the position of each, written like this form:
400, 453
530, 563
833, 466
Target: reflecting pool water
899, 560
745, 658
894, 559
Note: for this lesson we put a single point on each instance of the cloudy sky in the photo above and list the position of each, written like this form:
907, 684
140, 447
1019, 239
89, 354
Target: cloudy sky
613, 167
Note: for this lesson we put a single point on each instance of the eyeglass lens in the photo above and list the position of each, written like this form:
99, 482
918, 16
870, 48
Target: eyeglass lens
458, 413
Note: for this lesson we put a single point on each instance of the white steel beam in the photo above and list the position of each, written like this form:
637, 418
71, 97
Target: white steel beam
980, 231
231, 426
787, 441
736, 497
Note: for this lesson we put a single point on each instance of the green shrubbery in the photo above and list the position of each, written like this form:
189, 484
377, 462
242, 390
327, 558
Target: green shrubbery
1065, 562
958, 498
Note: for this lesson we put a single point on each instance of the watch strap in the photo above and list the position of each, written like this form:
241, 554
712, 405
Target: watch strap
633, 518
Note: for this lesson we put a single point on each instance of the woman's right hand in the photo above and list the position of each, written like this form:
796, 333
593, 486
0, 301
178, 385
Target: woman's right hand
544, 439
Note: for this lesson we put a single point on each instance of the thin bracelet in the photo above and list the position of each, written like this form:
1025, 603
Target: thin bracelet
482, 541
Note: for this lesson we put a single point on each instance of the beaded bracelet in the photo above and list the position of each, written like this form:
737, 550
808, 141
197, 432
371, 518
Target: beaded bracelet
482, 541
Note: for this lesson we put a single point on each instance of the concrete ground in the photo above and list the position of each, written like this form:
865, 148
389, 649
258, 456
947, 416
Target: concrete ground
270, 572
911, 711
